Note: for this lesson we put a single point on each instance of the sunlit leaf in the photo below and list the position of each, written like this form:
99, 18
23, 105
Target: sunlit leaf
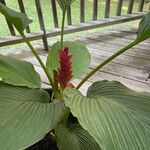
110, 116
18, 72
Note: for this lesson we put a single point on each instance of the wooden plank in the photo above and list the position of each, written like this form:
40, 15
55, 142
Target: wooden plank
126, 60
141, 5
10, 26
41, 22
54, 11
95, 9
113, 38
71, 29
119, 41
127, 72
130, 6
119, 7
22, 9
82, 11
124, 33
134, 52
113, 47
69, 18
113, 68
135, 85
107, 8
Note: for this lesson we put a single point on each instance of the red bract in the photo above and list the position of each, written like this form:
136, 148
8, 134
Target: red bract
64, 73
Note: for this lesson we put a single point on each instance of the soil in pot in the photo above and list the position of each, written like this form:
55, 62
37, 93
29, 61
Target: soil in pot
46, 143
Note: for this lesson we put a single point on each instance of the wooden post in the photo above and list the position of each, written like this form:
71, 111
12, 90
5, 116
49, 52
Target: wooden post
95, 9
69, 18
42, 25
55, 16
10, 26
107, 8
22, 9
82, 11
141, 5
130, 6
119, 7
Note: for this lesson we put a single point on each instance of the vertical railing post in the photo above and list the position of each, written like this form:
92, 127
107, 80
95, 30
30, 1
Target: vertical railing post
95, 9
41, 22
22, 9
130, 6
141, 5
119, 7
69, 18
107, 8
54, 11
82, 11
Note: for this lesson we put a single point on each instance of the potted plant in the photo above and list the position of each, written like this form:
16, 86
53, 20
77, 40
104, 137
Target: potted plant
111, 116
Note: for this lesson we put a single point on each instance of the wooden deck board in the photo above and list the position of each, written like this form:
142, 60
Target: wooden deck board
131, 68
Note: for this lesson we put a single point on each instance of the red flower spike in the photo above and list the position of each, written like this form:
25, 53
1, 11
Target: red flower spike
64, 73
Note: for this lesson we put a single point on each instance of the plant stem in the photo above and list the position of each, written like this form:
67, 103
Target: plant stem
107, 61
39, 59
62, 28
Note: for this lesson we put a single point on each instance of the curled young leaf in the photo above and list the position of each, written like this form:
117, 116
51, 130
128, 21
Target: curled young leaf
64, 4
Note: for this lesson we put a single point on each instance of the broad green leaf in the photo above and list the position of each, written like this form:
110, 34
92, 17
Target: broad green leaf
80, 58
138, 103
18, 72
74, 137
144, 28
112, 124
25, 116
64, 4
19, 20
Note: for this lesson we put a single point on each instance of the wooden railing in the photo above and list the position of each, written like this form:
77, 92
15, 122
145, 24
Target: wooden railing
70, 28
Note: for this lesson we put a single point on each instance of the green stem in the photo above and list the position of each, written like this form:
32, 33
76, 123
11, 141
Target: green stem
62, 28
38, 58
107, 61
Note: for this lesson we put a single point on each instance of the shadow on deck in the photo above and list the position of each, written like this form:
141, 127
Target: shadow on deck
131, 68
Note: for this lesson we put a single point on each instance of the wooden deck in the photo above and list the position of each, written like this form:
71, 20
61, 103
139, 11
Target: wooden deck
131, 68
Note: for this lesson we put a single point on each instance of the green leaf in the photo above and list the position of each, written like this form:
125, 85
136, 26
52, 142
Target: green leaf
114, 125
138, 103
80, 58
144, 28
19, 20
18, 72
74, 137
25, 116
